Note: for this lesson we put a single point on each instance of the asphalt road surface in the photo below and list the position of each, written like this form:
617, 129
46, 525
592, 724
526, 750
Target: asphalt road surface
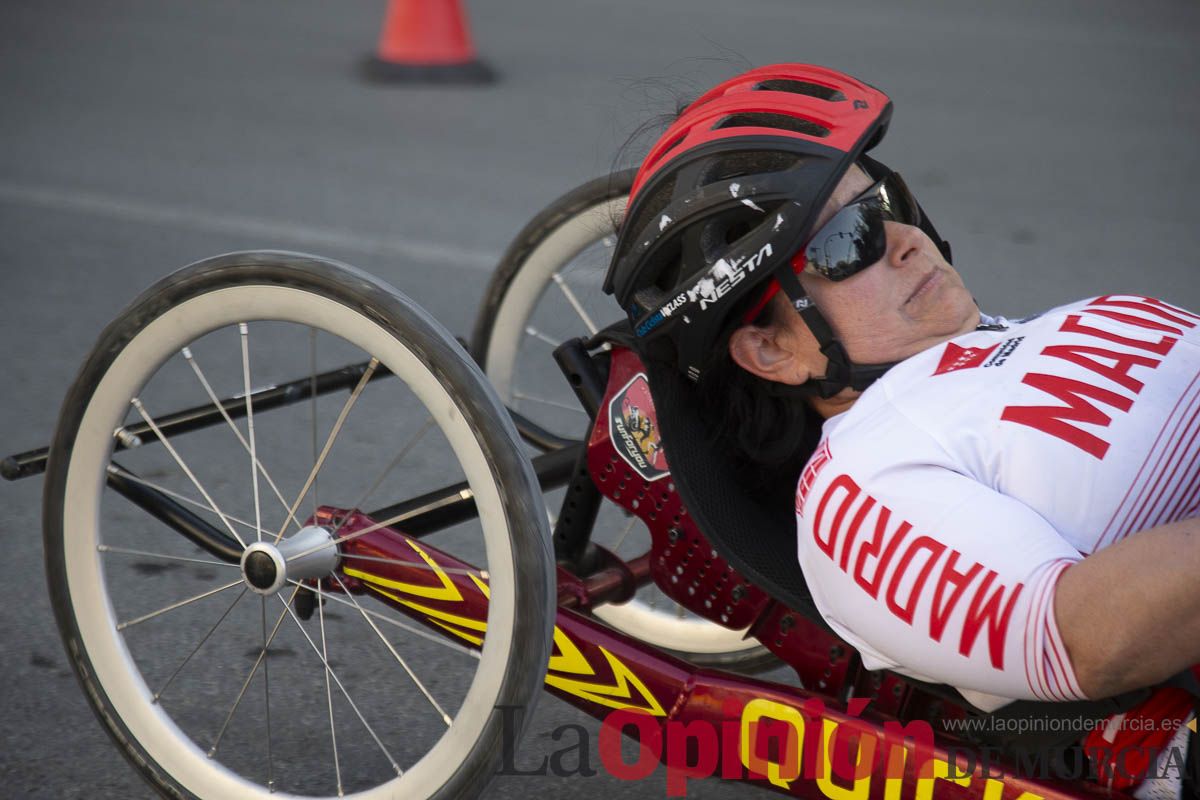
1054, 142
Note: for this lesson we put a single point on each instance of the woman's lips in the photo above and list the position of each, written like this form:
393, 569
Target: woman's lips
927, 283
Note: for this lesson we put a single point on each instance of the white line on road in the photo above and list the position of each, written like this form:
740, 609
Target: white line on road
129, 210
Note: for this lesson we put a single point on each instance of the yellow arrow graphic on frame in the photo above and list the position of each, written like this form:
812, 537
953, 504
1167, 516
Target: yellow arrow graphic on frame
617, 694
569, 660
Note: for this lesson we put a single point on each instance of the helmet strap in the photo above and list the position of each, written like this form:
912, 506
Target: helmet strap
840, 372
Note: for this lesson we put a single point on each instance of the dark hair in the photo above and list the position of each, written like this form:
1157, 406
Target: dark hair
767, 430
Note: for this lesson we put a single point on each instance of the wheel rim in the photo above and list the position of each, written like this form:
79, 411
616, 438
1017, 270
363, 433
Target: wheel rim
115, 666
578, 252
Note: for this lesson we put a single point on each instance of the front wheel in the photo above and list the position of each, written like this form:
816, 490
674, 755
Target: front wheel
214, 686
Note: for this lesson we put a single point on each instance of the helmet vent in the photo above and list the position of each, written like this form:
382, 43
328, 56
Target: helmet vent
802, 87
735, 165
778, 121
664, 152
651, 206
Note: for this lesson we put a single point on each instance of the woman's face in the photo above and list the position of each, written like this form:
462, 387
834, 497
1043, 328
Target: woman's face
909, 300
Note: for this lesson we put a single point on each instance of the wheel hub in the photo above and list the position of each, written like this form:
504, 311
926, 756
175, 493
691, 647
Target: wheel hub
261, 569
309, 554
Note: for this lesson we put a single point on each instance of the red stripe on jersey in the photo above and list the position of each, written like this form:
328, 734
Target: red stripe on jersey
811, 471
1182, 437
1045, 609
1191, 495
1048, 669
1181, 472
1137, 480
1033, 675
1177, 505
1060, 647
1140, 492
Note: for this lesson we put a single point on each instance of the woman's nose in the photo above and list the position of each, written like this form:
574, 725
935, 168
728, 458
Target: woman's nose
904, 243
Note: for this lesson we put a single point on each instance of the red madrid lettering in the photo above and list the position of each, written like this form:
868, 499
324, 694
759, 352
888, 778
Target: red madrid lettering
843, 483
1073, 324
904, 610
1114, 366
1118, 372
988, 611
850, 511
870, 550
1053, 419
939, 615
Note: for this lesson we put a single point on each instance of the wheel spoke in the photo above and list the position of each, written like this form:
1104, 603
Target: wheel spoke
253, 670
399, 659
122, 626
212, 396
141, 409
126, 551
312, 383
185, 629
537, 334
287, 609
464, 494
244, 335
415, 631
333, 434
200, 644
267, 695
115, 470
400, 456
337, 769
617, 545
574, 301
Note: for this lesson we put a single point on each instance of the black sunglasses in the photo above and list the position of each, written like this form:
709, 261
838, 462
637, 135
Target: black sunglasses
855, 237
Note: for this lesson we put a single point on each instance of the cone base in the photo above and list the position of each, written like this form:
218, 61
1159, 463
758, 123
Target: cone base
377, 70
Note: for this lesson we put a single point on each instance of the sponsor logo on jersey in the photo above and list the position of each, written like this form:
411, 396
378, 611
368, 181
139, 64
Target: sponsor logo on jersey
957, 358
633, 427
1007, 348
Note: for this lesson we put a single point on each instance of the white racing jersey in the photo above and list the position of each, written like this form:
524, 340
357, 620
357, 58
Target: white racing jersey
939, 511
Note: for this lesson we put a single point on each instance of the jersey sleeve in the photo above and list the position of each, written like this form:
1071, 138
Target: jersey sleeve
932, 574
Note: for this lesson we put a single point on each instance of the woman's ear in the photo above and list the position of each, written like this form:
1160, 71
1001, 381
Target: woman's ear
770, 353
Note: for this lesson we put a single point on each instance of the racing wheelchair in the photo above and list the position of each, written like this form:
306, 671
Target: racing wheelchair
359, 592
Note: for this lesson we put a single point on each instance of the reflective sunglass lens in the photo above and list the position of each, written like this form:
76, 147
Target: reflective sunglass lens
899, 203
850, 242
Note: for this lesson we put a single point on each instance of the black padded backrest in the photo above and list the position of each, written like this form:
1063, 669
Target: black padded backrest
759, 542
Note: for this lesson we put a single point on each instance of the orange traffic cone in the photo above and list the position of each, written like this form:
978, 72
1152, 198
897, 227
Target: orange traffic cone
426, 41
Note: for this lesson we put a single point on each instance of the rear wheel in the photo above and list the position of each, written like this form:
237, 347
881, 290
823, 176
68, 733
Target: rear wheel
547, 289
215, 686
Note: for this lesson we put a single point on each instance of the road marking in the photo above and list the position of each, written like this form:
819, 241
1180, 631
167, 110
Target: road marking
275, 232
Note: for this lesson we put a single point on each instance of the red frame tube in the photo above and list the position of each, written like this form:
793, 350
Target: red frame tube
697, 721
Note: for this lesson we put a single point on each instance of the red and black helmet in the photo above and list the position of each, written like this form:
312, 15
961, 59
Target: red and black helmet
728, 194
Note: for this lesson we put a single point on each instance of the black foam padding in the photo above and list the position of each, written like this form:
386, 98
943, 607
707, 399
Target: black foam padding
757, 541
